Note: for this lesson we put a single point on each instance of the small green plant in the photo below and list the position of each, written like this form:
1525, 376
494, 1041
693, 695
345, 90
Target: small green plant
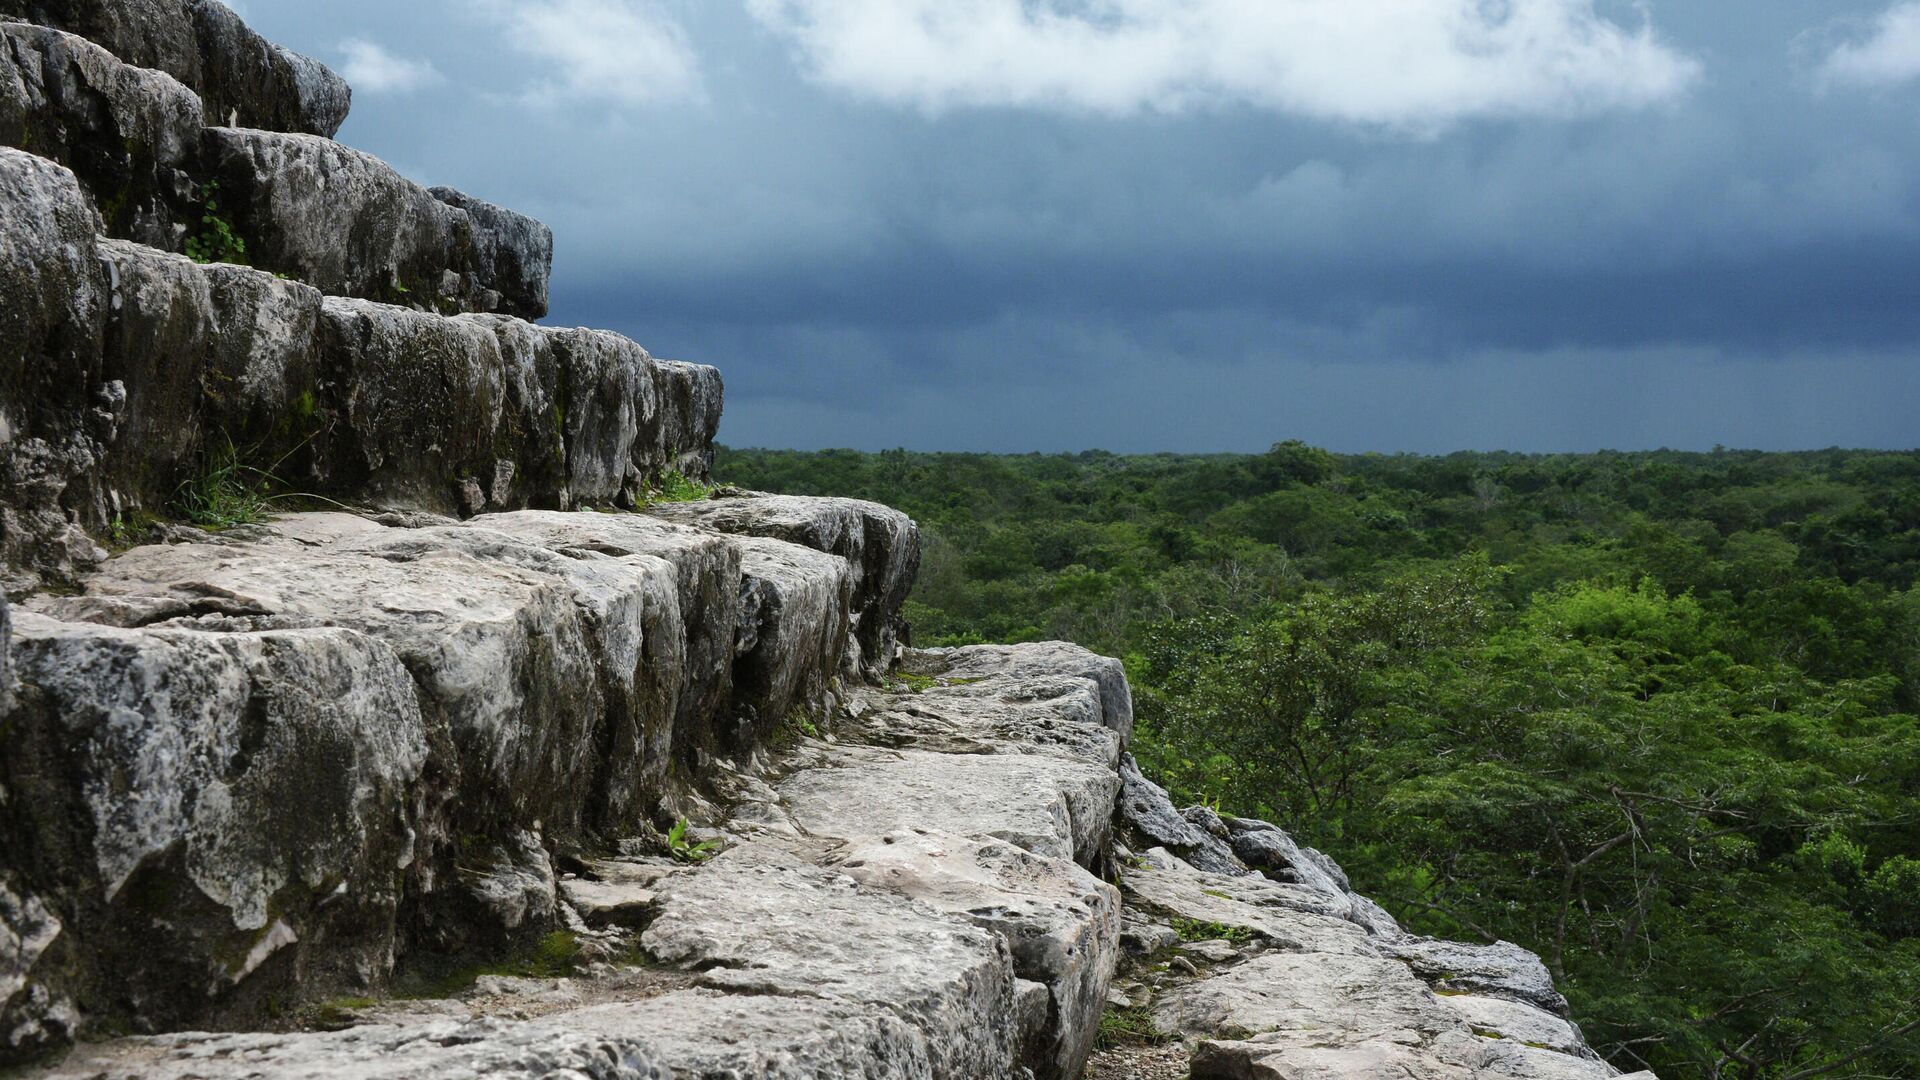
1127, 1027
216, 241
798, 719
227, 492
686, 850
339, 1013
917, 684
1197, 930
677, 487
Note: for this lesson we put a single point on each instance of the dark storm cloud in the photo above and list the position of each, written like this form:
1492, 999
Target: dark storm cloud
1710, 234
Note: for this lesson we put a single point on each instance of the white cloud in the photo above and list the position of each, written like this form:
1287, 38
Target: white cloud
374, 70
1412, 64
1888, 54
616, 52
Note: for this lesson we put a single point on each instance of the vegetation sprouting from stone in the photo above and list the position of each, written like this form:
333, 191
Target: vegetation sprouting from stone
1127, 1027
1651, 715
228, 490
216, 241
687, 850
676, 487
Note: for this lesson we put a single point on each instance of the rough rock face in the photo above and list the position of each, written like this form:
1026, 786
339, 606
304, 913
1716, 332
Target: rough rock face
136, 364
129, 132
511, 251
173, 863
56, 414
348, 224
240, 77
880, 544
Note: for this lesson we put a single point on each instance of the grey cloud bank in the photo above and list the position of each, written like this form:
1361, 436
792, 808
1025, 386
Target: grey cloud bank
1712, 240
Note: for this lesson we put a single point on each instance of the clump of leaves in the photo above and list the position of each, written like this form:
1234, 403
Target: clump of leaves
1197, 930
686, 850
216, 241
677, 487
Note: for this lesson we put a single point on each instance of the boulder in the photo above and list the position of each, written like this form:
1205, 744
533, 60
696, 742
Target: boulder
1061, 923
1501, 970
1058, 715
241, 78
795, 607
57, 412
128, 133
348, 224
880, 544
691, 398
512, 251
1040, 658
1147, 818
165, 812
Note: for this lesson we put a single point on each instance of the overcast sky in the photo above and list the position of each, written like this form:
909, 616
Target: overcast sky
1200, 224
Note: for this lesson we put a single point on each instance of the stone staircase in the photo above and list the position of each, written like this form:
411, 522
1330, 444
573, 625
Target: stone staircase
489, 762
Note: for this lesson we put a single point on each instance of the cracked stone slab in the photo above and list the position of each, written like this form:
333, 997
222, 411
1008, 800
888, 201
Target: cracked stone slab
1040, 658
757, 919
1051, 806
1291, 916
1061, 923
1059, 715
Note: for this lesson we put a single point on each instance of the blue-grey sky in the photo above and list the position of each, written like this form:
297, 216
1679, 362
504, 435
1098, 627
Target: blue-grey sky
1200, 224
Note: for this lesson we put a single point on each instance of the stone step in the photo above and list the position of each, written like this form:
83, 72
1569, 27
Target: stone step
880, 543
298, 205
348, 224
134, 364
240, 77
913, 952
330, 719
132, 134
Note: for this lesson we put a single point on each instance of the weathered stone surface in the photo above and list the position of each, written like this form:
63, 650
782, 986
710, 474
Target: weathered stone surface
248, 81
241, 78
261, 375
501, 653
129, 133
795, 608
691, 398
1147, 817
348, 224
1050, 806
511, 251
148, 778
1502, 970
158, 329
1504, 1019
1290, 916
56, 412
1270, 851
758, 920
422, 403
1058, 715
1060, 921
665, 601
1040, 658
881, 545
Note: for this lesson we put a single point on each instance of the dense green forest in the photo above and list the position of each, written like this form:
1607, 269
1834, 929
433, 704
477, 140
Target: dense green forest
1651, 715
